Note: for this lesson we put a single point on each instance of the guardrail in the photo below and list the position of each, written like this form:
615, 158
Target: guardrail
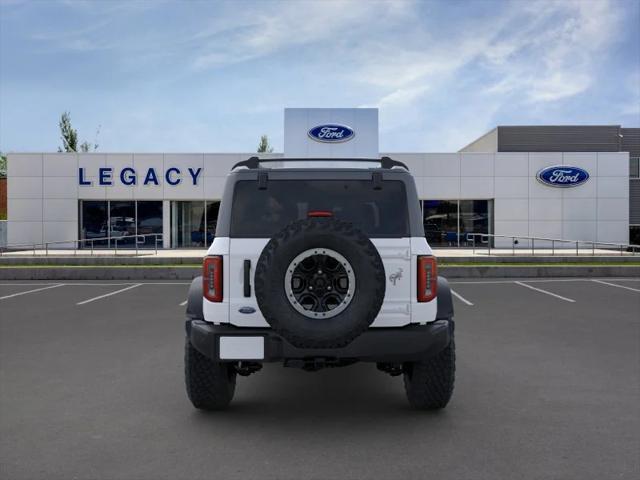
592, 245
92, 241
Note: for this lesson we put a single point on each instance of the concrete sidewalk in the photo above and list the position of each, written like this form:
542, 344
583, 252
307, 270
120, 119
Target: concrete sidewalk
190, 271
185, 264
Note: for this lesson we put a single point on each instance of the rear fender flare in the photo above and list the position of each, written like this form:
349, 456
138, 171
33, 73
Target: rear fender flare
194, 300
445, 302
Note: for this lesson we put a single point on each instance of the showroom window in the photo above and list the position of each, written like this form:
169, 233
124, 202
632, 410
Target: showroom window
149, 220
193, 224
634, 235
447, 223
111, 220
94, 222
634, 167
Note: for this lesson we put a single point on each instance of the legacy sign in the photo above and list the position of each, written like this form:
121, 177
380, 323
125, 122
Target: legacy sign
129, 176
562, 176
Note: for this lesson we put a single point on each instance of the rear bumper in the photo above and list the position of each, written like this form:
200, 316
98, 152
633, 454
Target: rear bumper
410, 343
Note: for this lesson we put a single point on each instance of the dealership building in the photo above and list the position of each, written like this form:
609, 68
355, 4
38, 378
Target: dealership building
564, 182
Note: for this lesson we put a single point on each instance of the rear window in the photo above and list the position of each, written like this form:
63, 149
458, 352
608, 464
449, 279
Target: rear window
262, 213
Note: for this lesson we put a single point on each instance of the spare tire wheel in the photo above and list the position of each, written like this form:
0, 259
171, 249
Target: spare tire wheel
320, 283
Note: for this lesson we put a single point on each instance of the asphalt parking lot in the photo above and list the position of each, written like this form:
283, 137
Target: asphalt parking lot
548, 386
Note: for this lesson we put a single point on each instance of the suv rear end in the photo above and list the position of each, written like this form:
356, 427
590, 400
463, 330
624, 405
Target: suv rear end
318, 263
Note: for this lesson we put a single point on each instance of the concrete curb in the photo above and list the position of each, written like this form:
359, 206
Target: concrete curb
189, 272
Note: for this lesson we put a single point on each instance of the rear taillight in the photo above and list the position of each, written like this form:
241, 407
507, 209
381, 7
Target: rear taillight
212, 278
427, 278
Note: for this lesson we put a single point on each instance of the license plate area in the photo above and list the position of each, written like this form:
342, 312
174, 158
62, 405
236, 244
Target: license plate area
241, 348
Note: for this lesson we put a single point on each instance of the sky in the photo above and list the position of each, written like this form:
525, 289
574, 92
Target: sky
201, 76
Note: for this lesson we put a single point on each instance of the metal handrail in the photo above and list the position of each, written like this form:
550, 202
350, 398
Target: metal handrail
484, 239
77, 242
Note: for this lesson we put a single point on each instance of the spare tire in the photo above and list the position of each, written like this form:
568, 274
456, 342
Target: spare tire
320, 283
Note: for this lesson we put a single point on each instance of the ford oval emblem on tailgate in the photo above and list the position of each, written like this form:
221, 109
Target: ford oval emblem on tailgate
331, 133
563, 176
247, 310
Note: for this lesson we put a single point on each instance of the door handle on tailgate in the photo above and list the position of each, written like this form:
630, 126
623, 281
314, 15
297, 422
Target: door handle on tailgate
247, 278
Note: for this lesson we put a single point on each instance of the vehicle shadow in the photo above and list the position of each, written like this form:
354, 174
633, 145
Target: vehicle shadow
358, 396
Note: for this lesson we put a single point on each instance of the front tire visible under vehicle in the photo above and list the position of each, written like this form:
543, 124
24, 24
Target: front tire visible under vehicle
429, 383
210, 385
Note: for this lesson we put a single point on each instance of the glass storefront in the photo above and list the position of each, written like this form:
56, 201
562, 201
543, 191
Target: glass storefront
634, 234
447, 223
193, 224
187, 224
440, 218
122, 222
476, 216
118, 220
94, 222
149, 220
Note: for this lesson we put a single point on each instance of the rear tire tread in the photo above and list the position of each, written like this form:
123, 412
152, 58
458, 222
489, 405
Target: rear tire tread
429, 383
210, 385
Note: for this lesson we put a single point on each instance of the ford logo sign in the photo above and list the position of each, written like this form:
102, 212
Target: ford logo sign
562, 176
331, 133
247, 310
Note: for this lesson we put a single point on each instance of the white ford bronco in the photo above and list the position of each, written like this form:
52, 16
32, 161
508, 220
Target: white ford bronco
319, 263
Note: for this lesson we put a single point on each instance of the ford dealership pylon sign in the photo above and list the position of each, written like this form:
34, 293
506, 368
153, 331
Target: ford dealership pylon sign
562, 176
331, 133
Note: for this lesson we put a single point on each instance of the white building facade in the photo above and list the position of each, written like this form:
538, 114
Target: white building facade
62, 197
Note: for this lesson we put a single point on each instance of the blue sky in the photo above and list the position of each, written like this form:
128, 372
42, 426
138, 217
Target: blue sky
213, 76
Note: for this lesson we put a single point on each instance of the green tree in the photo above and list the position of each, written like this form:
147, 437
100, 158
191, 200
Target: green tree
69, 136
3, 165
263, 146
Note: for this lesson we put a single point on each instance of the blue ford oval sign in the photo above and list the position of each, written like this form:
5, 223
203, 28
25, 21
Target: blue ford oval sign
331, 133
563, 176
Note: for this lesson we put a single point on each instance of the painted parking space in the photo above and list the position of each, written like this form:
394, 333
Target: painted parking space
543, 291
106, 376
7, 289
110, 294
466, 293
617, 285
106, 306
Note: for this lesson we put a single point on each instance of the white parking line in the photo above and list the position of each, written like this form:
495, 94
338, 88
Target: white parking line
31, 291
545, 291
614, 285
461, 298
183, 303
85, 284
109, 294
537, 280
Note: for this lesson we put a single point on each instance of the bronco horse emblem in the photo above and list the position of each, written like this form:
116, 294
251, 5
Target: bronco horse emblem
394, 277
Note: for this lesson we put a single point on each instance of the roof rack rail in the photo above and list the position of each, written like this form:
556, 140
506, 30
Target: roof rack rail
254, 162
388, 162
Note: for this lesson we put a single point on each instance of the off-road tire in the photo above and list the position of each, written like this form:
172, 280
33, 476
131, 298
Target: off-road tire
348, 241
210, 385
429, 383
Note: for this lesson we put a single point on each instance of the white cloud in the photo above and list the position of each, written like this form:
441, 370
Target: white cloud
403, 96
554, 56
273, 27
543, 52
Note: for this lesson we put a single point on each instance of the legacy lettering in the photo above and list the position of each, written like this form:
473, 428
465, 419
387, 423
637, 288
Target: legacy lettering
129, 176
